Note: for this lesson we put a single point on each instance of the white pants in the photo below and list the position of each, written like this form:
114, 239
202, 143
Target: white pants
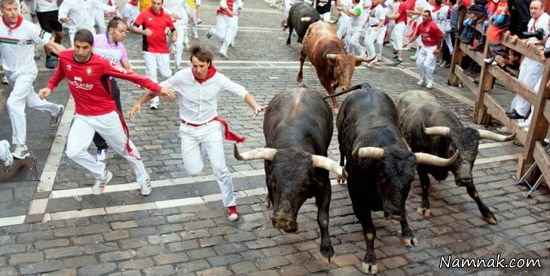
207, 140
192, 13
425, 62
110, 128
354, 44
375, 35
530, 73
21, 95
225, 30
449, 42
157, 62
344, 26
182, 41
398, 36
100, 21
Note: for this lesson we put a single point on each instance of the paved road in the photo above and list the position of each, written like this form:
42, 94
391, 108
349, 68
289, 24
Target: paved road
181, 228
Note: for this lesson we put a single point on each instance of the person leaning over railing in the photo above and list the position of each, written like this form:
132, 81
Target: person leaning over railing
530, 71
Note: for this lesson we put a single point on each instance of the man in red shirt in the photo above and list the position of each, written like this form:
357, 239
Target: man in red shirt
96, 110
399, 30
431, 37
156, 51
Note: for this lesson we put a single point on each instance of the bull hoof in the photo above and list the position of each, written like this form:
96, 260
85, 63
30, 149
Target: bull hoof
490, 219
410, 241
341, 180
369, 268
327, 252
268, 204
424, 212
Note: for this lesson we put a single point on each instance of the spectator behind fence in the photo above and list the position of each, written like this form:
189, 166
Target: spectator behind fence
530, 71
499, 22
519, 15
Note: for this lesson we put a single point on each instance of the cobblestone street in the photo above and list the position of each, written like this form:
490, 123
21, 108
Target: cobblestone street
56, 226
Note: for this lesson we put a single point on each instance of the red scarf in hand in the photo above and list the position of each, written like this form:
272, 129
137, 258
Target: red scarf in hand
211, 72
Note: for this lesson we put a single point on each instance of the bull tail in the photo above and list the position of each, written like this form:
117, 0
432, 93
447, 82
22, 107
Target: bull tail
355, 87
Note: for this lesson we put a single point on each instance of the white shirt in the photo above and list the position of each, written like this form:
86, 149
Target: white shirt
78, 12
198, 103
377, 15
17, 46
46, 5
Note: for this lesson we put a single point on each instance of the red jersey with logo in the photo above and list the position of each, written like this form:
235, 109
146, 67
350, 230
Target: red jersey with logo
430, 33
157, 42
89, 82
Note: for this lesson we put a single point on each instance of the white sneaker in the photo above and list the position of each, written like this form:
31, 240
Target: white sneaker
223, 53
5, 154
413, 57
55, 119
101, 184
146, 187
101, 155
420, 82
154, 104
4, 80
21, 152
429, 85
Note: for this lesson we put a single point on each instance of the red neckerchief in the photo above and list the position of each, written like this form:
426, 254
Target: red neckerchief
211, 72
13, 26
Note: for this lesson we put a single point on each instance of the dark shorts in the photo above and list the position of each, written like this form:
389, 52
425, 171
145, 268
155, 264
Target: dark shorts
48, 21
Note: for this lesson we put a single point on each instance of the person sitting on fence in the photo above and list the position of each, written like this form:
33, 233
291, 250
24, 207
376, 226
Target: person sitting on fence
530, 71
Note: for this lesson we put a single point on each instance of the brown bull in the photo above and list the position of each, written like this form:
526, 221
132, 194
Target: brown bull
326, 53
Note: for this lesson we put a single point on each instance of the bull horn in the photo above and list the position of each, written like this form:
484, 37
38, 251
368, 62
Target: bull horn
485, 134
327, 164
330, 56
259, 153
430, 159
371, 152
438, 130
305, 19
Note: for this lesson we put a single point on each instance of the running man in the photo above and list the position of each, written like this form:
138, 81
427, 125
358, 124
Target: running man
201, 128
96, 110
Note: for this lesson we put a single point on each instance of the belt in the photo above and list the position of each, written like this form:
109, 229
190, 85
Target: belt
194, 125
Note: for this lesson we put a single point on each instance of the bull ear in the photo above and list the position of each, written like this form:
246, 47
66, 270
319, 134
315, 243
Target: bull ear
438, 130
326, 163
430, 159
259, 153
485, 134
370, 152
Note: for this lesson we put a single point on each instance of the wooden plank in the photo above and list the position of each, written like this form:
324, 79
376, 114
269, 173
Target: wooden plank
466, 80
511, 83
499, 113
547, 110
476, 56
543, 161
521, 47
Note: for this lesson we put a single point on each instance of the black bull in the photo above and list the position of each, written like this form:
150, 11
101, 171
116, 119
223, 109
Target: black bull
432, 128
300, 16
380, 167
298, 129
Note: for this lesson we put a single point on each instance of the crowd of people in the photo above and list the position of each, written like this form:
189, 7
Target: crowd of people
97, 57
